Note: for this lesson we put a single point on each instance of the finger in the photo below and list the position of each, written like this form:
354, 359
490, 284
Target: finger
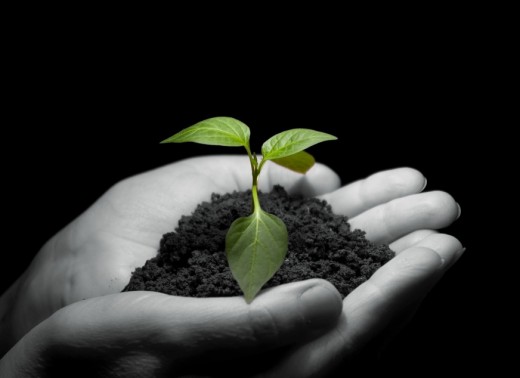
374, 190
445, 245
161, 196
398, 284
156, 332
233, 172
410, 240
390, 221
185, 327
318, 180
369, 309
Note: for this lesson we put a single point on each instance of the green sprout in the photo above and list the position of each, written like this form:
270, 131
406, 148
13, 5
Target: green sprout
256, 245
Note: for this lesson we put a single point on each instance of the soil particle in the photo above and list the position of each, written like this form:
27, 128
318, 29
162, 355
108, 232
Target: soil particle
192, 262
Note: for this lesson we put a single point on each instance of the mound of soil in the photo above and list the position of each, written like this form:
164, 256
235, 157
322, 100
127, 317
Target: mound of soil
192, 262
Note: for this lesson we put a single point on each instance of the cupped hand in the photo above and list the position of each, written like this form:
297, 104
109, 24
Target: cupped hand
95, 254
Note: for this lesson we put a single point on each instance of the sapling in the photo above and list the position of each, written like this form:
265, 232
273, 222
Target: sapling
256, 245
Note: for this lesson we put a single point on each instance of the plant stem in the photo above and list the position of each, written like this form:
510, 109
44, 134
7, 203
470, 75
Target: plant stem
252, 160
254, 189
256, 201
255, 170
261, 165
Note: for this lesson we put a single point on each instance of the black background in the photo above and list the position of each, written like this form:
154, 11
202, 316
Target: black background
87, 109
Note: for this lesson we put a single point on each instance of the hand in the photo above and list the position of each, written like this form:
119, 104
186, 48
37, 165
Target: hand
95, 254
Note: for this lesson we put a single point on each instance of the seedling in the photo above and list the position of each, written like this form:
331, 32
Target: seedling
256, 245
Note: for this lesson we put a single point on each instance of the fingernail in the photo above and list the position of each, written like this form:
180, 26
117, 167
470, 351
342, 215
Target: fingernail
321, 306
460, 211
458, 254
425, 183
456, 257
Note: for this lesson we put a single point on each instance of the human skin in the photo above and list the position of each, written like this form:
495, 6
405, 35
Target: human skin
68, 305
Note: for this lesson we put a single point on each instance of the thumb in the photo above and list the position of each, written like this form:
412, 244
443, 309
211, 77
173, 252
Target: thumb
188, 326
169, 332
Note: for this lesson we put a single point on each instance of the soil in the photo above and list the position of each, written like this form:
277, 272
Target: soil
192, 262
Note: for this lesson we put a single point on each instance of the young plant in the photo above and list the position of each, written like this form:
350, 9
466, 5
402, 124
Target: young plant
256, 245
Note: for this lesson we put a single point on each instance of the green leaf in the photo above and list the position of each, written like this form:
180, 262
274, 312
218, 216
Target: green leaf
300, 162
256, 247
217, 131
292, 141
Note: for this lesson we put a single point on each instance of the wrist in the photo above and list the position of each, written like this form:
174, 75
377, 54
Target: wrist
7, 305
27, 357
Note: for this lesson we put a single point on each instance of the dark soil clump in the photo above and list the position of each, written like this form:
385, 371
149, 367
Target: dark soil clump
192, 262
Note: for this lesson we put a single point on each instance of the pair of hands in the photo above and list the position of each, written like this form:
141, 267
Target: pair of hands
67, 311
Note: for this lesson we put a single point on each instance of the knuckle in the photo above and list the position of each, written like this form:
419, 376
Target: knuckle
263, 325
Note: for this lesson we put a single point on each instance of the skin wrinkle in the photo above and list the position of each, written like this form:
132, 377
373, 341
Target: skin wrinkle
263, 322
360, 192
410, 240
223, 189
115, 201
337, 354
111, 229
435, 209
397, 187
300, 305
386, 216
52, 253
372, 293
197, 339
27, 352
334, 343
139, 319
341, 334
441, 244
141, 363
104, 241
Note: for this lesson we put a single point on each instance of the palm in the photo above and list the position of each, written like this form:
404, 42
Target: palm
96, 253
123, 228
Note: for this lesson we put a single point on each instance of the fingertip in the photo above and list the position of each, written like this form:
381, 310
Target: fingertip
413, 264
324, 178
313, 304
321, 305
421, 258
417, 178
318, 180
448, 247
406, 180
442, 207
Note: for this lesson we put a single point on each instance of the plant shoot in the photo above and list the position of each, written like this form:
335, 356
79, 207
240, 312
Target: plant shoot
256, 245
